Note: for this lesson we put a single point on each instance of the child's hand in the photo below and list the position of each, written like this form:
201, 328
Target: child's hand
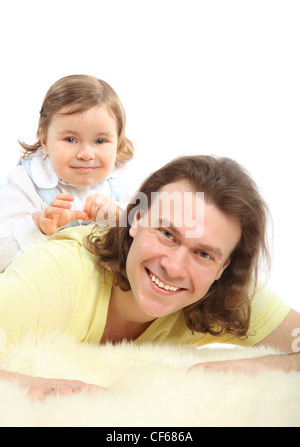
101, 209
57, 215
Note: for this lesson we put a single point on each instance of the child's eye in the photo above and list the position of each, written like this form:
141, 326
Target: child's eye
100, 141
70, 140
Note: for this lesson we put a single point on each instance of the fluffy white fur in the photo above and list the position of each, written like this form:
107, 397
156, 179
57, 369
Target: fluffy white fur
150, 386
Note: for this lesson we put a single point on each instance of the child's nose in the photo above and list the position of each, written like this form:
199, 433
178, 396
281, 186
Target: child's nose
85, 153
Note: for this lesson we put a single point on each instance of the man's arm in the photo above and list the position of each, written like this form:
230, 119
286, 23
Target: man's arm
285, 338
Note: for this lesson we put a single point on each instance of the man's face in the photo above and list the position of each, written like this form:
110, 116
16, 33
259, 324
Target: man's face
173, 262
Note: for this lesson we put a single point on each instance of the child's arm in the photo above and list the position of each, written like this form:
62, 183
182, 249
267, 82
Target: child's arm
57, 215
18, 232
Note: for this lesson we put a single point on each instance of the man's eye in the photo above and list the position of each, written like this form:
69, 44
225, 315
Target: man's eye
204, 254
167, 234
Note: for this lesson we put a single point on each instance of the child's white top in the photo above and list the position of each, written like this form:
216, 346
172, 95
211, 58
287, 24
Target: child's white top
19, 198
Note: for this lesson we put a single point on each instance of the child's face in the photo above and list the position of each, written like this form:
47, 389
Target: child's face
82, 147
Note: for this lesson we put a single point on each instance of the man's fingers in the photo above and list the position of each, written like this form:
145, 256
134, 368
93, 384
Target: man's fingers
43, 388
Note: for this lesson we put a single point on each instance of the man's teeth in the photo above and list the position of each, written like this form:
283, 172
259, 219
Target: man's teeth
160, 284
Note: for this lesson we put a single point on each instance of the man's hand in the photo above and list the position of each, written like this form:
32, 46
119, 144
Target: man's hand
57, 215
39, 388
283, 362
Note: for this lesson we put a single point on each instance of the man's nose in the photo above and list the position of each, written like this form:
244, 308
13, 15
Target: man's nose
174, 262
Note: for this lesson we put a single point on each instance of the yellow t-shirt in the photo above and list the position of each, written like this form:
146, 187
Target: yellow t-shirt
58, 285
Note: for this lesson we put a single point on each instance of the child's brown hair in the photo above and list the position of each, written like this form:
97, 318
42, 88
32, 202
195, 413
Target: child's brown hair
77, 94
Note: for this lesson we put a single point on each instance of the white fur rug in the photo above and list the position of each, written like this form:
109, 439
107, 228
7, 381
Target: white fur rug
150, 386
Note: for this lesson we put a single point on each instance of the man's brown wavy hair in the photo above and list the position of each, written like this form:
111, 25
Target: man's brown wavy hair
77, 94
226, 185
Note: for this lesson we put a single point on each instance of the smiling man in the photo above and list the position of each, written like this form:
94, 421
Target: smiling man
158, 279
167, 269
174, 288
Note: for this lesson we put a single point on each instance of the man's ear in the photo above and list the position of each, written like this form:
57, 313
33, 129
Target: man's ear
223, 268
43, 140
135, 225
226, 264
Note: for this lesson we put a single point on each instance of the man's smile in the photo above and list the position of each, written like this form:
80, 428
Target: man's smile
162, 285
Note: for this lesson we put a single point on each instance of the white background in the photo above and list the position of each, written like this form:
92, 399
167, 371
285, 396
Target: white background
195, 77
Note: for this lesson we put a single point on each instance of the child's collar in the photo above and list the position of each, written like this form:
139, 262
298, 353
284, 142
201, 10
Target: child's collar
42, 172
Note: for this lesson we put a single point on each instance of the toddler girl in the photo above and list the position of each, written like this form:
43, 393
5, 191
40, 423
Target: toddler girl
74, 173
